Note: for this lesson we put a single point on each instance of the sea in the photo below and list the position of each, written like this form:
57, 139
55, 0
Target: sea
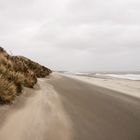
129, 75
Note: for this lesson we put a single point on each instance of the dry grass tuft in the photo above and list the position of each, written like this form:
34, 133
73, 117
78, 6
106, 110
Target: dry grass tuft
16, 72
7, 90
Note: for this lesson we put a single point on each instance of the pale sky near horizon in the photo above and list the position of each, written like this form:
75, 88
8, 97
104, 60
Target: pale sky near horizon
73, 35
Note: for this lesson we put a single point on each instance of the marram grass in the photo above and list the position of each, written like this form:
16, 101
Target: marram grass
16, 72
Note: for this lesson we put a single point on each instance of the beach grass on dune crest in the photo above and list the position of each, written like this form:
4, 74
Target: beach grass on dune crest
17, 72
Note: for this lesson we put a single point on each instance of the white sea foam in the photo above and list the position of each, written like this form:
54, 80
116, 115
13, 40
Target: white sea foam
122, 76
127, 76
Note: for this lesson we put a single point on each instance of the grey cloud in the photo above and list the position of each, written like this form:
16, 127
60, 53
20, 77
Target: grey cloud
114, 11
73, 34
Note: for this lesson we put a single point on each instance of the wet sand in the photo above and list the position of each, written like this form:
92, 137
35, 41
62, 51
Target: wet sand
99, 113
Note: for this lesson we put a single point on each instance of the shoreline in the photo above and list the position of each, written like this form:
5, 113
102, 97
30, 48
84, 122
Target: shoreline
129, 87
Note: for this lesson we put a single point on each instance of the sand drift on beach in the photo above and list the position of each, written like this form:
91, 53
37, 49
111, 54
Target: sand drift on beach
39, 117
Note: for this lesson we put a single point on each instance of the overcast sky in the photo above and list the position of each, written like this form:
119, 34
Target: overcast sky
73, 35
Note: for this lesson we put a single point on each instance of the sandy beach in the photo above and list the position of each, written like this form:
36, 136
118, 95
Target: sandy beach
36, 115
64, 108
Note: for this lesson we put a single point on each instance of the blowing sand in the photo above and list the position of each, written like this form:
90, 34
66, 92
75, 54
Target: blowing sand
129, 87
38, 116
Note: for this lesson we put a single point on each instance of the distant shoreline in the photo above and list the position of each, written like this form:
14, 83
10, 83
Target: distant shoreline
108, 75
125, 86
